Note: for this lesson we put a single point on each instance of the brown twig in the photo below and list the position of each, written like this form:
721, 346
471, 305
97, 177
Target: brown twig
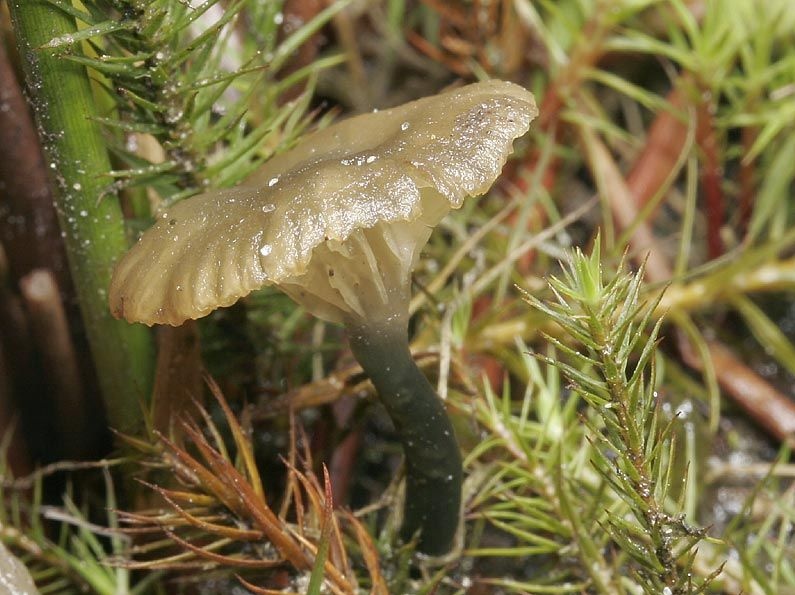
766, 406
50, 333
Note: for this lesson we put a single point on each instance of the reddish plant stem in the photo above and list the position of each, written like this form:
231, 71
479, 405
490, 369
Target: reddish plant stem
747, 179
436, 54
666, 141
711, 174
345, 454
664, 144
584, 55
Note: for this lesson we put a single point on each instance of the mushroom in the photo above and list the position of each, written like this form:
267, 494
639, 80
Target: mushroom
338, 223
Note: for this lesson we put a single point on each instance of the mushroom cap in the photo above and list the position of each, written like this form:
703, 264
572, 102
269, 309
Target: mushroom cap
387, 166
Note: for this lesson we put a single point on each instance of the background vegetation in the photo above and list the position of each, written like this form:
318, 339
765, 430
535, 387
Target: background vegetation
625, 407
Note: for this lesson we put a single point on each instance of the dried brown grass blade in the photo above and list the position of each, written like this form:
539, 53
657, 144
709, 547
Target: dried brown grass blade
369, 555
210, 480
221, 558
262, 590
242, 442
246, 503
210, 527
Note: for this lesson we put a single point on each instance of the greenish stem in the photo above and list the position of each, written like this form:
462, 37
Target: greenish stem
433, 460
93, 227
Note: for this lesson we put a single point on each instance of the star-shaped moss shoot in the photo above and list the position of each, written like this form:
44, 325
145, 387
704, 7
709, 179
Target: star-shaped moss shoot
338, 224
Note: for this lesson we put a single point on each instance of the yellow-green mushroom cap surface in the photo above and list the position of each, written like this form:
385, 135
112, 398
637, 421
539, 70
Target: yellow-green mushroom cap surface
336, 222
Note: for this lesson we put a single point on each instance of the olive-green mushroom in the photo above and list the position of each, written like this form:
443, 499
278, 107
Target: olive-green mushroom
338, 223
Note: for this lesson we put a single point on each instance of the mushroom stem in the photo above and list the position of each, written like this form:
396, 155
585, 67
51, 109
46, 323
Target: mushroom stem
433, 461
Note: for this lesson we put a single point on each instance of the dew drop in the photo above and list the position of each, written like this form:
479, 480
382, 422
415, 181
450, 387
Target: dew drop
268, 208
265, 249
273, 181
404, 126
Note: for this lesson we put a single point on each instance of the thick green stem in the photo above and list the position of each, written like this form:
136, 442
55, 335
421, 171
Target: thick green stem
433, 460
93, 227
